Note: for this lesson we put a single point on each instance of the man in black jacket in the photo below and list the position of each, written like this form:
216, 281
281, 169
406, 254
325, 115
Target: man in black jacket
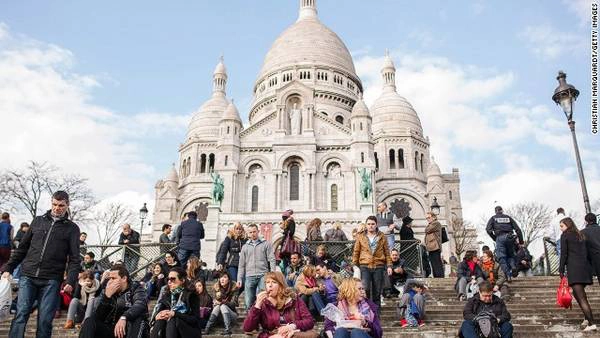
188, 237
485, 301
122, 311
592, 242
500, 228
51, 244
131, 239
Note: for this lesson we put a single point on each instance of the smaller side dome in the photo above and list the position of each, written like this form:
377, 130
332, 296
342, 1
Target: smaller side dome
434, 169
360, 109
220, 67
231, 113
172, 175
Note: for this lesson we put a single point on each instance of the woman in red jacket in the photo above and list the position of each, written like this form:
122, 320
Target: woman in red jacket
279, 312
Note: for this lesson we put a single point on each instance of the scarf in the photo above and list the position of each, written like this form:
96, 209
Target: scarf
311, 282
87, 291
489, 268
363, 308
471, 265
176, 304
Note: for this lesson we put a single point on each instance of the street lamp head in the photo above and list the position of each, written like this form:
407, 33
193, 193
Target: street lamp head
143, 212
435, 207
565, 94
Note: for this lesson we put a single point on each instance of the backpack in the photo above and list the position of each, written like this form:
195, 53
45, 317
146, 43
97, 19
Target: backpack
487, 325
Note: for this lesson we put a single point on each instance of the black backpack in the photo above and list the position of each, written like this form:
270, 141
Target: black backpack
487, 325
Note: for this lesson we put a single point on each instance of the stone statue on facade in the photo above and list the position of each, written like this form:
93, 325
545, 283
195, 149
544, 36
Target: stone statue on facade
295, 120
218, 188
365, 184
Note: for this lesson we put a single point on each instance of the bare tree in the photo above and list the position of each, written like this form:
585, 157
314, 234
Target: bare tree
464, 235
533, 218
24, 189
108, 219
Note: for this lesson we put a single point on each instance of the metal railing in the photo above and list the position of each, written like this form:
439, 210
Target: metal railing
551, 257
136, 257
341, 252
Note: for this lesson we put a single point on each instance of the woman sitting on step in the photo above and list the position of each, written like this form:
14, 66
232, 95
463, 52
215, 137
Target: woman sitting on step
411, 308
360, 321
495, 275
279, 312
177, 315
468, 272
81, 305
205, 302
224, 304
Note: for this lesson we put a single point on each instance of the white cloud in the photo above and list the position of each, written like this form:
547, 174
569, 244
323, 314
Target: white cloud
581, 8
48, 115
549, 43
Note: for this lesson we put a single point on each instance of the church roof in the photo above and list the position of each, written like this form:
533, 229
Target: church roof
172, 175
308, 42
232, 113
360, 108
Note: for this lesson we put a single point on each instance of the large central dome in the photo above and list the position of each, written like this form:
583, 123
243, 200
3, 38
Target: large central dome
308, 42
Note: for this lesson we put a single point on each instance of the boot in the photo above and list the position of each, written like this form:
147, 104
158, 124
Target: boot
227, 324
69, 324
211, 322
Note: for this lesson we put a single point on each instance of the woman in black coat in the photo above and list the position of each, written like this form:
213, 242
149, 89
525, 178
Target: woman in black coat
228, 256
468, 271
178, 309
573, 256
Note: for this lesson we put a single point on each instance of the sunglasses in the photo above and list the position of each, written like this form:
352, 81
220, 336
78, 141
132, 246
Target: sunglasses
172, 279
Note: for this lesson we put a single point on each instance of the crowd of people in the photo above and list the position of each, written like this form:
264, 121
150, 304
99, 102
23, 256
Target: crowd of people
285, 289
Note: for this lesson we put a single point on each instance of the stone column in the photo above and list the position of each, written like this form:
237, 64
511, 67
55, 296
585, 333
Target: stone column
211, 228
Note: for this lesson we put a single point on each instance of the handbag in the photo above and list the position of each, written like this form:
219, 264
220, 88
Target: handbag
289, 246
563, 294
444, 235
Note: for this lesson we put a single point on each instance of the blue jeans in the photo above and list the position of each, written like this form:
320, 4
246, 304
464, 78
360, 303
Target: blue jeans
46, 293
505, 252
372, 281
252, 284
350, 333
232, 271
184, 255
468, 329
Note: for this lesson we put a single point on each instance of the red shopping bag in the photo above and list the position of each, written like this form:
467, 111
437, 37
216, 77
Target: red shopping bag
563, 294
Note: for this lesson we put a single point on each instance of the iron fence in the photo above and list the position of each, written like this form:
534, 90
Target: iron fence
341, 253
136, 257
551, 257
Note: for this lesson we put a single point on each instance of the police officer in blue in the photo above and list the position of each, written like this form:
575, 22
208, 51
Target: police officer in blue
501, 229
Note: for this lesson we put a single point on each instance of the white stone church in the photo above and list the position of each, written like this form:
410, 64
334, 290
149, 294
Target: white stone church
308, 133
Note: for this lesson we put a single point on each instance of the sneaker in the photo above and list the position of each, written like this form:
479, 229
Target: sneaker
403, 323
226, 332
382, 301
421, 323
584, 324
462, 298
590, 328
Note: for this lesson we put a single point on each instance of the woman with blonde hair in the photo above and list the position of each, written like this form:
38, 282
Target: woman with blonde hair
279, 312
336, 234
313, 230
228, 256
360, 320
309, 290
323, 257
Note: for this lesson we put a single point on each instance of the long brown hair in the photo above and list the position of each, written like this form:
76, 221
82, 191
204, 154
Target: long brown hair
285, 293
231, 232
314, 223
571, 227
193, 265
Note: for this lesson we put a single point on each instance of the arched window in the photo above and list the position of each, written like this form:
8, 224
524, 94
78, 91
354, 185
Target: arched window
211, 163
362, 157
392, 159
227, 129
188, 170
361, 127
416, 161
203, 163
450, 194
339, 119
184, 168
226, 158
334, 197
422, 158
294, 182
400, 158
254, 206
376, 161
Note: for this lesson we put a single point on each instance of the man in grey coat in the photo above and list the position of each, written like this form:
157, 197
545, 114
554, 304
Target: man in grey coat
256, 258
385, 223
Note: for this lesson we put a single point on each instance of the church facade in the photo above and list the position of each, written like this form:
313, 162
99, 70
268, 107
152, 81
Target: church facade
311, 145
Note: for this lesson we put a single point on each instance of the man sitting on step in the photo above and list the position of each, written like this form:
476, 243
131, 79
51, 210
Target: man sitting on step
485, 313
122, 311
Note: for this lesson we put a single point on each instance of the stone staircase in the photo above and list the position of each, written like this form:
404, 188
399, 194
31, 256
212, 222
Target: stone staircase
533, 310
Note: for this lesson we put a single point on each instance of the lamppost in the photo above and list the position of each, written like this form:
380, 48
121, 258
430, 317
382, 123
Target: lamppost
143, 214
435, 207
565, 95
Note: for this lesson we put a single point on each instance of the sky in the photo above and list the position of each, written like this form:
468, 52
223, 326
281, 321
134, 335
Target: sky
107, 89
